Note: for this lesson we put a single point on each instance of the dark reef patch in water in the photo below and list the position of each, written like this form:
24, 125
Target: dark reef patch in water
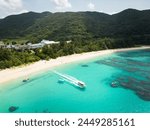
135, 73
140, 87
85, 65
45, 111
13, 108
136, 53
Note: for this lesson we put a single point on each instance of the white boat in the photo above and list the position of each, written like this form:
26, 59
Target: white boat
71, 79
61, 81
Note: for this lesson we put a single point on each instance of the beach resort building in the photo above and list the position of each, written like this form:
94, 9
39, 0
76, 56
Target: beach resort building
41, 44
35, 46
10, 46
30, 45
47, 42
69, 41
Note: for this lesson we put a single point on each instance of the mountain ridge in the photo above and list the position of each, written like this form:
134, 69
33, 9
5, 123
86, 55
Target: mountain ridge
69, 25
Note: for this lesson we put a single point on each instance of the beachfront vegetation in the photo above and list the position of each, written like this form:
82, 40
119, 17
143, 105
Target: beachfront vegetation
11, 57
89, 31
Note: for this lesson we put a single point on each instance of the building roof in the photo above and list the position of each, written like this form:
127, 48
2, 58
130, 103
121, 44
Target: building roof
49, 42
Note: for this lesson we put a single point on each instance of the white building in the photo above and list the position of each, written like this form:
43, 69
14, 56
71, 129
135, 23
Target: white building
34, 46
47, 42
10, 46
41, 44
30, 45
69, 41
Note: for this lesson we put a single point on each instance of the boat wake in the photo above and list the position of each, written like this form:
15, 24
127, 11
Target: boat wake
70, 79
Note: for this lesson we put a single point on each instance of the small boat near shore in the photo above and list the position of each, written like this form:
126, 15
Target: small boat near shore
61, 81
114, 84
25, 80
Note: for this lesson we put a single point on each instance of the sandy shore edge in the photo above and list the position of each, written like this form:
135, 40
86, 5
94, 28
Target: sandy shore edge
23, 71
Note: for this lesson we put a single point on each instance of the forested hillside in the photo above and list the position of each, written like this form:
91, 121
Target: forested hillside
32, 26
88, 31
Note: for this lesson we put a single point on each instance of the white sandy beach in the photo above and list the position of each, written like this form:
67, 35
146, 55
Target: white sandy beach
24, 71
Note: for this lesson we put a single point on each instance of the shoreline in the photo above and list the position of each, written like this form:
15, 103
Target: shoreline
23, 71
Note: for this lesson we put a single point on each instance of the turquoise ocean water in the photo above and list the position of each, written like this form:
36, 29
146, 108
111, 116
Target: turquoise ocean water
116, 83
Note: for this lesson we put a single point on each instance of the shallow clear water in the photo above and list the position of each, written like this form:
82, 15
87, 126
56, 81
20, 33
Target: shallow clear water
43, 93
